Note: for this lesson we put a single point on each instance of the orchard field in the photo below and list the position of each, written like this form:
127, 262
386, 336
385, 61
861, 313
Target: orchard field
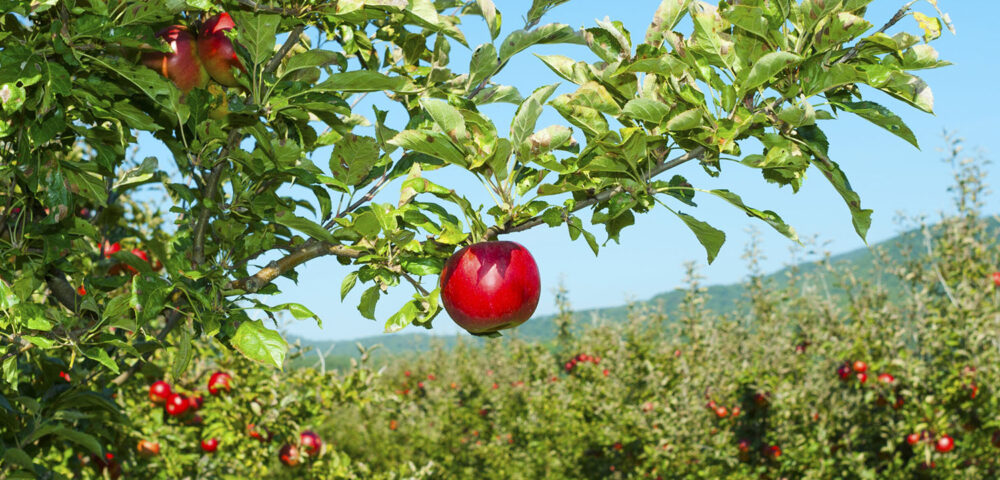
821, 375
163, 163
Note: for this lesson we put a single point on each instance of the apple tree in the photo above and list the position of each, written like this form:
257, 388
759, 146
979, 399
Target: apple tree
108, 258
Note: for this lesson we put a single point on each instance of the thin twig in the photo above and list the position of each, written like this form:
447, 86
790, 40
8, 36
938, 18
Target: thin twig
293, 38
892, 21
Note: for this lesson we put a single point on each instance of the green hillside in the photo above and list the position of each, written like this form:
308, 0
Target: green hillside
864, 262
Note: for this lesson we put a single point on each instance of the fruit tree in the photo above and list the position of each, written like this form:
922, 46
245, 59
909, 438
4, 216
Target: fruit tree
242, 95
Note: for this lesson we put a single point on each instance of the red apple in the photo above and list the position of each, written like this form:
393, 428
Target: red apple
860, 367
255, 433
862, 377
81, 290
219, 381
148, 449
177, 404
844, 372
210, 445
490, 286
996, 279
944, 444
159, 391
181, 65
773, 451
216, 50
913, 438
289, 455
886, 378
196, 402
310, 442
721, 412
65, 376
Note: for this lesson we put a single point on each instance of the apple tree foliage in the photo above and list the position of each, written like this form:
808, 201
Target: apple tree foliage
246, 200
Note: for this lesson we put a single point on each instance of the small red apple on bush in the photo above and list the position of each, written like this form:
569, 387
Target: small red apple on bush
944, 444
860, 367
147, 448
310, 442
490, 286
996, 279
886, 378
159, 392
210, 445
289, 455
219, 381
177, 404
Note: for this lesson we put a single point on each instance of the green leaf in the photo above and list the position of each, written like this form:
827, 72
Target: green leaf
422, 265
368, 300
667, 15
260, 344
256, 32
491, 15
137, 175
17, 456
352, 158
80, 438
548, 139
550, 33
710, 237
686, 120
813, 138
348, 284
766, 67
424, 10
769, 217
882, 117
447, 117
304, 225
645, 109
527, 114
430, 143
483, 65
540, 7
572, 70
100, 356
182, 359
498, 94
363, 81
310, 59
910, 89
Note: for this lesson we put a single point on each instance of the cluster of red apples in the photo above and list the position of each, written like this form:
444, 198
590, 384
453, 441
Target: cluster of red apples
178, 405
581, 358
193, 62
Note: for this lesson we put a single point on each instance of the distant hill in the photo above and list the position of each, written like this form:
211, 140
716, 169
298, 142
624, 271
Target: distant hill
721, 299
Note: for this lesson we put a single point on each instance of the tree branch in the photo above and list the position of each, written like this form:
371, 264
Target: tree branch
293, 38
211, 188
308, 251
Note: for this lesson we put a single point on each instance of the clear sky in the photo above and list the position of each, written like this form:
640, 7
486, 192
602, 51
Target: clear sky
890, 175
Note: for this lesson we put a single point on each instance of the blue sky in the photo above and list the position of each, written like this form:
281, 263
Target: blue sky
890, 175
